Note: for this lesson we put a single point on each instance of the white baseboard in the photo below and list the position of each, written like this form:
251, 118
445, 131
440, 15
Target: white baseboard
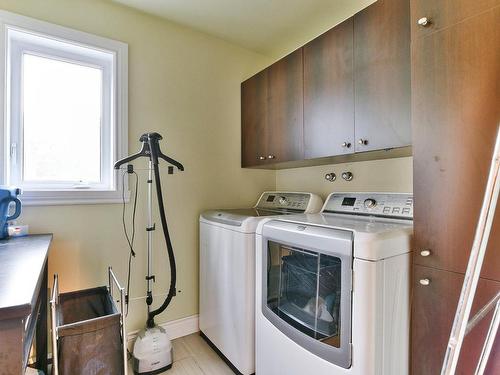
175, 328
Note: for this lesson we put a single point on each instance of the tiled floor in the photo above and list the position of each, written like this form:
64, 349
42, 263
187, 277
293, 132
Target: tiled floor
193, 356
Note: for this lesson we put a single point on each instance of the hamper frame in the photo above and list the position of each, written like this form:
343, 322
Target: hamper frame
54, 301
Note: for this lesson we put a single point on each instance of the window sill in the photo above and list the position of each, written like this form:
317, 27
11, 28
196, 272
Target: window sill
53, 198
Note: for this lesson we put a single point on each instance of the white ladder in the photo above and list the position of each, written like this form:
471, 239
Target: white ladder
461, 324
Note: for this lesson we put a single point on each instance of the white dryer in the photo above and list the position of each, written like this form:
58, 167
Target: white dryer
332, 289
227, 273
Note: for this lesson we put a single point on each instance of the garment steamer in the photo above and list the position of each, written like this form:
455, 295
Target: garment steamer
152, 351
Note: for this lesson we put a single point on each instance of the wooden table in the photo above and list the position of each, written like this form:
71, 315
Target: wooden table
23, 302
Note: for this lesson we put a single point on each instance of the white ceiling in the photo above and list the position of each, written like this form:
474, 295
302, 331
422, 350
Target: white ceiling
270, 27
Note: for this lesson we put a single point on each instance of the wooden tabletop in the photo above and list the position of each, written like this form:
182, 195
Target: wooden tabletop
21, 262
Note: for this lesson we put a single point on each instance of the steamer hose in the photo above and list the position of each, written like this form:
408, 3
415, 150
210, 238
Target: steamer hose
170, 250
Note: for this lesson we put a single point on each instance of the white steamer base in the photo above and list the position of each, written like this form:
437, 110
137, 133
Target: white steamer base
152, 352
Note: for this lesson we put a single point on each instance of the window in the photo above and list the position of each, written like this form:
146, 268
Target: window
62, 114
66, 106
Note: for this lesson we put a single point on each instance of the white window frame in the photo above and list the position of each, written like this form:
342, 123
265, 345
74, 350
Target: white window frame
22, 35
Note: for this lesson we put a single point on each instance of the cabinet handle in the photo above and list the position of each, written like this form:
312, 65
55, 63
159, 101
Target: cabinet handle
425, 253
346, 145
271, 157
424, 22
261, 158
425, 282
363, 142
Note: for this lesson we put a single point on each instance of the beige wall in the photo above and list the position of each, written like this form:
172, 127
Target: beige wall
185, 85
389, 175
311, 27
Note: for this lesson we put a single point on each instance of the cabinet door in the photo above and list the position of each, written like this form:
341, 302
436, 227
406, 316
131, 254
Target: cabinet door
434, 307
443, 13
329, 93
254, 97
382, 75
456, 112
285, 109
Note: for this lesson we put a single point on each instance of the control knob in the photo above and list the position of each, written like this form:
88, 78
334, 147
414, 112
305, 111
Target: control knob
370, 203
283, 201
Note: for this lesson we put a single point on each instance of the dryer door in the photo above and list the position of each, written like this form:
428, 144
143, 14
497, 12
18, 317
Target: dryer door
307, 287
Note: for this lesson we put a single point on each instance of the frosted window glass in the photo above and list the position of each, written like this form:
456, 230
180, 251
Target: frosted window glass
62, 121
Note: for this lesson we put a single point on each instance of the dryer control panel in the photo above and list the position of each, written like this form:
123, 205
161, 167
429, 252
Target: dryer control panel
279, 201
395, 205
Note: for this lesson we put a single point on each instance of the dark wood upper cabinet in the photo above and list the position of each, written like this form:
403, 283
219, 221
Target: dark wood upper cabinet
434, 307
285, 117
345, 92
329, 93
254, 110
272, 114
437, 15
382, 75
456, 112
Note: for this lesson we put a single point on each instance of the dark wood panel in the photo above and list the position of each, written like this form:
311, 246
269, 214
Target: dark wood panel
23, 304
285, 109
254, 99
433, 308
329, 93
382, 75
456, 112
41, 326
445, 13
11, 353
392, 153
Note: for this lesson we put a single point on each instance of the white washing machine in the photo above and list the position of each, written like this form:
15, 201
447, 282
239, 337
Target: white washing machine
332, 289
227, 273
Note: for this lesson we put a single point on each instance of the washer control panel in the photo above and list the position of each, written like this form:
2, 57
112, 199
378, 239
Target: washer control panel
397, 205
284, 201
